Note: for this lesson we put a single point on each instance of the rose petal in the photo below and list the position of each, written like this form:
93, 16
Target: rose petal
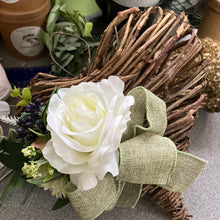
87, 138
67, 153
58, 163
109, 164
84, 181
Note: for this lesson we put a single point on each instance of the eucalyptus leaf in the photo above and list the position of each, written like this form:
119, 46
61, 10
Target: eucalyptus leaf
68, 51
56, 38
67, 61
71, 48
45, 37
65, 56
58, 54
53, 17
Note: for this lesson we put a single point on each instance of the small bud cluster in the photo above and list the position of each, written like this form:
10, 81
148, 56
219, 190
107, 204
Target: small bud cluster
31, 170
29, 151
50, 170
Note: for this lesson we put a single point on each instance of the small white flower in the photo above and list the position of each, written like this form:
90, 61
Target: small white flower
86, 124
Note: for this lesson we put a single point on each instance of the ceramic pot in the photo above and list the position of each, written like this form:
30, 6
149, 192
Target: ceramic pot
20, 24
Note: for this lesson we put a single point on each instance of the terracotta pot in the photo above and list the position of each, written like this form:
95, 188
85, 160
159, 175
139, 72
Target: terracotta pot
210, 24
20, 25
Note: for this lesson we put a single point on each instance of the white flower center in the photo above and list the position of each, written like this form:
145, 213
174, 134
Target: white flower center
84, 118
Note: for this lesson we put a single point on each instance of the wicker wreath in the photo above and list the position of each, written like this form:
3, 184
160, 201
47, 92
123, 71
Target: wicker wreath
146, 48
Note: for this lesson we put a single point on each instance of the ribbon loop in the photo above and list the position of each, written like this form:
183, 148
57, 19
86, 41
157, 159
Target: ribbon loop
153, 159
149, 105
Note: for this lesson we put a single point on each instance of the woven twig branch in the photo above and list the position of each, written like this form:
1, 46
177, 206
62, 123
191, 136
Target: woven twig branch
144, 48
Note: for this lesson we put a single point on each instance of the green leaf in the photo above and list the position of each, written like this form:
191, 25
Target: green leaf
26, 94
11, 162
65, 56
11, 155
74, 17
68, 60
36, 181
55, 40
58, 54
45, 37
10, 186
11, 136
16, 182
20, 183
40, 163
60, 203
88, 29
10, 146
22, 103
37, 133
53, 17
24, 114
15, 92
55, 175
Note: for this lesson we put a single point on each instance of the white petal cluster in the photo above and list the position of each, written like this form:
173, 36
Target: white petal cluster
86, 124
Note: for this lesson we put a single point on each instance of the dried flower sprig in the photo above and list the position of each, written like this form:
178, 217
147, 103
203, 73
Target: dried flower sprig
10, 120
212, 89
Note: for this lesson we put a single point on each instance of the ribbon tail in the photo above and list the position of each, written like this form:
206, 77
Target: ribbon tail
187, 169
89, 204
130, 195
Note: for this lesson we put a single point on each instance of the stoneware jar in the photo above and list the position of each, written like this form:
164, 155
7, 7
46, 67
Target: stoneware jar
210, 25
20, 24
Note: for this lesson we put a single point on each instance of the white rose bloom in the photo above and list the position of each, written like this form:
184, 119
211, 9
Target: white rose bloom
86, 124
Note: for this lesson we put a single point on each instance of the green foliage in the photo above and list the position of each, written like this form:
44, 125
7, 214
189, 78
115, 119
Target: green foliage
60, 203
16, 182
15, 92
25, 95
11, 155
43, 169
68, 50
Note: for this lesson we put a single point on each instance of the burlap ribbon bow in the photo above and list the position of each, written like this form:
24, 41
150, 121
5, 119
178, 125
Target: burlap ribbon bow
146, 157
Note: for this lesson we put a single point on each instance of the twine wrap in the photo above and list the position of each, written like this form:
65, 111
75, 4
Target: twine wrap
145, 158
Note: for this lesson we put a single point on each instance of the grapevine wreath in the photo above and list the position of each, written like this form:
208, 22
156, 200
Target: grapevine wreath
151, 82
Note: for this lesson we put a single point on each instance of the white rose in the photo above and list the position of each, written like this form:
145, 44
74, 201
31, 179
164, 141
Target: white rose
86, 124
